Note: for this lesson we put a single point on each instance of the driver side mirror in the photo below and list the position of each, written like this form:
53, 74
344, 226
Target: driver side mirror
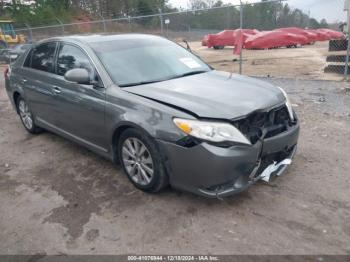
78, 75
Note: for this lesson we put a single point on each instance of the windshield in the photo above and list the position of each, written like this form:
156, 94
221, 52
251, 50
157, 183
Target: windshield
136, 61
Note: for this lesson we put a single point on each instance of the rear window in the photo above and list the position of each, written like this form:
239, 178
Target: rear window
42, 57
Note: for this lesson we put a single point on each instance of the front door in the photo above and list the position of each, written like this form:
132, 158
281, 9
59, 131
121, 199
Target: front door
81, 108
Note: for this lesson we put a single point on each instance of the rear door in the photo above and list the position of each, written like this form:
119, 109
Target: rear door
36, 79
81, 108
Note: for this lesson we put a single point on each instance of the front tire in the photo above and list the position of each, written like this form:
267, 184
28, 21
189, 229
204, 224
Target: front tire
26, 116
141, 161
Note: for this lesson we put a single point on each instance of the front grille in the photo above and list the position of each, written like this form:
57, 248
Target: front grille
260, 125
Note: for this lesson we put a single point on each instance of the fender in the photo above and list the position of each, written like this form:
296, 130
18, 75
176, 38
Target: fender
127, 124
127, 109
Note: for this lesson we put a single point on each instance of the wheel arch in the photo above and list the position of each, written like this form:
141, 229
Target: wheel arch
15, 97
118, 130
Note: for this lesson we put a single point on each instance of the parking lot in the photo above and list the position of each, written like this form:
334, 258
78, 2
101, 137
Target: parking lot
306, 62
58, 198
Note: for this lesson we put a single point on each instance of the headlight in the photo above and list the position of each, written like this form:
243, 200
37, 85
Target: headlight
211, 131
288, 104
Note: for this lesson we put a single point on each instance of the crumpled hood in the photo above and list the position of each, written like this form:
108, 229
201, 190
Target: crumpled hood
213, 95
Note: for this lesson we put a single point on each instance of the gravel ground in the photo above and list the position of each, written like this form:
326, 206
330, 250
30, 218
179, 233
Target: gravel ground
59, 198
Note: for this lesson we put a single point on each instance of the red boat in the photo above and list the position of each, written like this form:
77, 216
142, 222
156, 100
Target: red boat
311, 36
333, 35
320, 36
274, 39
226, 38
282, 37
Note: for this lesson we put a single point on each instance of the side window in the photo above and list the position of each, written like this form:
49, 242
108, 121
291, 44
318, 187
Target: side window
70, 57
43, 57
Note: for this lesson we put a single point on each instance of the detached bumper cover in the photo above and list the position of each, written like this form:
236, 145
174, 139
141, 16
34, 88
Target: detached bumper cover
214, 171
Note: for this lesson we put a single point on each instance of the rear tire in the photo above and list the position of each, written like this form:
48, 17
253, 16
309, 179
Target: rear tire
26, 116
141, 161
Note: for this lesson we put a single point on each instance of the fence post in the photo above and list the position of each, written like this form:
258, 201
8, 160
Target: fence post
30, 32
346, 71
104, 23
129, 21
228, 17
62, 25
241, 27
308, 18
161, 21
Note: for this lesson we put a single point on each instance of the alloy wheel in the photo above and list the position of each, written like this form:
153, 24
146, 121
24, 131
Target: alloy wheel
137, 161
25, 114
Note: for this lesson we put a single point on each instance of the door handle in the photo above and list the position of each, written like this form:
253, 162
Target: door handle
24, 80
57, 90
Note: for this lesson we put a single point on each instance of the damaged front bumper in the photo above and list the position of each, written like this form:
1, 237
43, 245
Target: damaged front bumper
213, 171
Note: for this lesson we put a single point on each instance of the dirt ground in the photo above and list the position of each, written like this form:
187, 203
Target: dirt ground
307, 62
58, 198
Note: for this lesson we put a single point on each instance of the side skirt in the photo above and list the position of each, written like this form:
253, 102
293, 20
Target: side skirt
95, 148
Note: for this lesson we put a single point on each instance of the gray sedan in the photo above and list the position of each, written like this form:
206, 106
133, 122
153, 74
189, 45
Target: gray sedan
158, 110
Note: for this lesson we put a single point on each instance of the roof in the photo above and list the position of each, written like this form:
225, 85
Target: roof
6, 21
103, 38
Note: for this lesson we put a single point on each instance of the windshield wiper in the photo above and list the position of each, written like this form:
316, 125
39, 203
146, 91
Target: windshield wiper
161, 80
195, 73
190, 73
141, 83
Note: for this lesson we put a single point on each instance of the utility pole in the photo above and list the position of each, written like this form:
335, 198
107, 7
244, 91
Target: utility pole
30, 32
347, 9
241, 27
62, 25
103, 21
161, 21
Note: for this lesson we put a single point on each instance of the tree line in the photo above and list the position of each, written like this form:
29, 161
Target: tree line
262, 16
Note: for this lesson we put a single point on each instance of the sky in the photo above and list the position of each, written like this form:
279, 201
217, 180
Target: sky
332, 10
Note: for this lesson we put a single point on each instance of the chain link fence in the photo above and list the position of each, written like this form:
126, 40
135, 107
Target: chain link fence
321, 56
313, 60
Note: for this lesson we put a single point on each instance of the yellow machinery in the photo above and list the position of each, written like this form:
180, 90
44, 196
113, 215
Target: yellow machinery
8, 36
